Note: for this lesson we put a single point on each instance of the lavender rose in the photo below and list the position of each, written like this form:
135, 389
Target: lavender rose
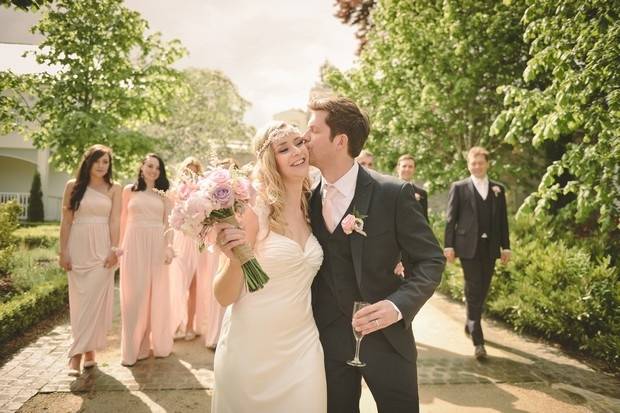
222, 195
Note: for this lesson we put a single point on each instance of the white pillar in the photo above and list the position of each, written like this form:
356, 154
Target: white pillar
43, 156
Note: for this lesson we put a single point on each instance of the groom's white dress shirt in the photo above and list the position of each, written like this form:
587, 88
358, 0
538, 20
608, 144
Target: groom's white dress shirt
345, 190
341, 199
481, 185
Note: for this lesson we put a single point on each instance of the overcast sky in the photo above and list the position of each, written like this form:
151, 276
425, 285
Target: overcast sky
271, 49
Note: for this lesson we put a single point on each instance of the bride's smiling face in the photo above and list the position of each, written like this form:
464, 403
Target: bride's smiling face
291, 156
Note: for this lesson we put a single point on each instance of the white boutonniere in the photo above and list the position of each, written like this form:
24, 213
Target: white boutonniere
496, 190
353, 222
417, 196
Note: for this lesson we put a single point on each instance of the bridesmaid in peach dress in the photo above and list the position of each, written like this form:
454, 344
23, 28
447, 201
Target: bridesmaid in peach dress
89, 234
145, 297
194, 308
184, 271
209, 312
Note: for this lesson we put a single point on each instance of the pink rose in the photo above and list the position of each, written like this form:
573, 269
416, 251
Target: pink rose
177, 217
242, 189
348, 224
196, 206
185, 190
219, 176
496, 189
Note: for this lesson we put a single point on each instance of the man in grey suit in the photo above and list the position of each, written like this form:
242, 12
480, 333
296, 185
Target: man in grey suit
358, 265
477, 233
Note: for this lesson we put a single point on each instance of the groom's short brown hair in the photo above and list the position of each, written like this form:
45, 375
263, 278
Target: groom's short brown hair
344, 116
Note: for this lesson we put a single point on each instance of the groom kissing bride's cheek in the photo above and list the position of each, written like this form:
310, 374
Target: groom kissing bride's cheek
289, 357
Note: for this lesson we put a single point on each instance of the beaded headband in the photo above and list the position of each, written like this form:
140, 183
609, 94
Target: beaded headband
277, 134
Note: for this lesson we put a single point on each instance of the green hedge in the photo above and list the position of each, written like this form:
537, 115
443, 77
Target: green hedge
556, 291
27, 309
44, 235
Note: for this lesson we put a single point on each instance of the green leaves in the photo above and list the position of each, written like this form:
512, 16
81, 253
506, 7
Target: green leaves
206, 118
107, 77
429, 76
571, 95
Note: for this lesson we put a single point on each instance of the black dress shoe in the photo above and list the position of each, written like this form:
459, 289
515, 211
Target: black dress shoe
480, 352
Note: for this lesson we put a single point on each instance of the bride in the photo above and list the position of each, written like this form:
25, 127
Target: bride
269, 358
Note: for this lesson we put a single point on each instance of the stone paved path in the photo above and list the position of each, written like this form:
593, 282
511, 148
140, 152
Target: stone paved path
521, 375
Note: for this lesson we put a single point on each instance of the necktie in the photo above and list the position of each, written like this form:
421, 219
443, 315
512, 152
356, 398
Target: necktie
328, 206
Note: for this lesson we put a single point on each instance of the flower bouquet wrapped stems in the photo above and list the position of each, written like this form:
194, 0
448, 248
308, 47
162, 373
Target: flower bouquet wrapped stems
215, 197
255, 277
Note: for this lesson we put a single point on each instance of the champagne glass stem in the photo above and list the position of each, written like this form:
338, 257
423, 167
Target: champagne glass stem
357, 349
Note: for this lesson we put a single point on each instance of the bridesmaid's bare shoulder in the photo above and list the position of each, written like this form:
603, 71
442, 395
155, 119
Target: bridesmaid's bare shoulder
70, 184
127, 188
116, 189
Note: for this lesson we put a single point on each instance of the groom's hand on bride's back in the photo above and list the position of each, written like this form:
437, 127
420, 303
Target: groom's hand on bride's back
228, 237
375, 317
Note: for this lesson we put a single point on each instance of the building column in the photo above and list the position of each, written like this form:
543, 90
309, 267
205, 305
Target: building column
43, 157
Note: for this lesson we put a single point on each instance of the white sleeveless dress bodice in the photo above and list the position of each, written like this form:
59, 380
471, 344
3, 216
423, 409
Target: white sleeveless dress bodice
269, 358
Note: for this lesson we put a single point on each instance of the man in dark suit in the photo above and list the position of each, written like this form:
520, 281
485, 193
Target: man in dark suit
477, 233
358, 265
405, 168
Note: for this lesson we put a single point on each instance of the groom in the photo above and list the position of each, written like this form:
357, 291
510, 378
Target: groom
359, 267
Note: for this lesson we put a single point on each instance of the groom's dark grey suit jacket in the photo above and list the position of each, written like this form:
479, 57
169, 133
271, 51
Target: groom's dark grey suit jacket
362, 267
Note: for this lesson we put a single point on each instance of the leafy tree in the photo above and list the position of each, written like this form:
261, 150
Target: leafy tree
572, 99
356, 13
35, 203
108, 78
14, 101
24, 4
207, 119
428, 76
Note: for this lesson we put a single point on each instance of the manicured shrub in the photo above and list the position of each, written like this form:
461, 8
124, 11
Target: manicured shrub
45, 236
25, 310
35, 204
9, 222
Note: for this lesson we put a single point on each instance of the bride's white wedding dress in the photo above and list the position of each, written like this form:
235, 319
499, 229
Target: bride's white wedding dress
269, 358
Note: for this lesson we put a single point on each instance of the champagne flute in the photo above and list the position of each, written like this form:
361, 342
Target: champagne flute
356, 362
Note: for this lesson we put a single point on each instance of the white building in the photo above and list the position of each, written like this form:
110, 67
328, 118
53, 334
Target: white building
18, 158
19, 161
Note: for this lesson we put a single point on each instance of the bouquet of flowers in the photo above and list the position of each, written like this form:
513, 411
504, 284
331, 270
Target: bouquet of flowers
202, 201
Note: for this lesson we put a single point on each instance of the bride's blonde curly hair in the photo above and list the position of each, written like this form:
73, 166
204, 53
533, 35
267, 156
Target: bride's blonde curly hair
271, 187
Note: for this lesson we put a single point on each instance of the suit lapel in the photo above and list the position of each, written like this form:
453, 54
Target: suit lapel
493, 200
472, 195
361, 203
316, 209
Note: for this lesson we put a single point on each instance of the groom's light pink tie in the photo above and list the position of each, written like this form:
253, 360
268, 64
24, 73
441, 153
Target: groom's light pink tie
328, 206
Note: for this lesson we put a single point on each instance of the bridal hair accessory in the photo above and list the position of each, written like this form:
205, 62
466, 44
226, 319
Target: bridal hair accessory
277, 134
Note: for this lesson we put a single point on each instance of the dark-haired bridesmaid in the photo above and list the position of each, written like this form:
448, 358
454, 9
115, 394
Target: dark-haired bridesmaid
89, 236
147, 245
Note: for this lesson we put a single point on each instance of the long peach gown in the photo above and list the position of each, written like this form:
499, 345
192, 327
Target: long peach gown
189, 263
91, 286
145, 297
182, 271
209, 312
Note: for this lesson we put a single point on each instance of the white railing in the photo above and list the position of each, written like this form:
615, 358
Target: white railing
22, 199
